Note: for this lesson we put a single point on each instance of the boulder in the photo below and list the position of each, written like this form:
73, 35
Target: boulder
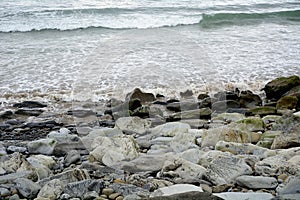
72, 156
292, 187
229, 117
225, 169
249, 100
250, 124
170, 129
42, 146
142, 96
176, 189
278, 87
133, 124
287, 102
263, 111
109, 151
222, 106
51, 190
212, 136
257, 182
11, 163
226, 95
78, 189
27, 188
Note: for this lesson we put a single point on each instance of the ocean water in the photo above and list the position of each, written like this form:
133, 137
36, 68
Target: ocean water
98, 49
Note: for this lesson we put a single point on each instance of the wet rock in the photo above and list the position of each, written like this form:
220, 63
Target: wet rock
133, 124
176, 189
212, 136
263, 111
51, 190
203, 113
142, 96
112, 150
225, 169
6, 114
170, 129
257, 182
249, 100
72, 156
244, 196
30, 104
81, 113
27, 188
29, 112
287, 102
142, 112
78, 189
277, 87
42, 146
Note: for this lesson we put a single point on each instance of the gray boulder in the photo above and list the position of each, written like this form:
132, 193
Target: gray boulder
51, 190
27, 188
133, 124
292, 187
42, 146
78, 189
257, 182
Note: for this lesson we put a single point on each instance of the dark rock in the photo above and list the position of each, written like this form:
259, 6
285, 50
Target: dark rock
295, 92
222, 188
62, 148
72, 156
133, 104
30, 104
205, 103
278, 87
222, 106
263, 111
45, 124
188, 196
172, 101
142, 112
142, 96
160, 96
81, 113
4, 126
7, 114
227, 95
287, 102
174, 106
187, 93
160, 103
244, 111
249, 100
14, 122
127, 189
203, 96
203, 113
29, 112
182, 106
78, 189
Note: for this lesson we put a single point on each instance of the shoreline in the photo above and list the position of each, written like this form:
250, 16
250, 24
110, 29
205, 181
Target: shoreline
150, 146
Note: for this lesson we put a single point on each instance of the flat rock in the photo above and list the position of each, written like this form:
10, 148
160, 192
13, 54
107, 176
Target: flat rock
30, 104
170, 129
27, 188
202, 113
292, 187
244, 196
257, 182
133, 124
225, 169
250, 124
176, 189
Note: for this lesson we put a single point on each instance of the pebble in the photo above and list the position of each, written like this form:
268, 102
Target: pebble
114, 195
107, 191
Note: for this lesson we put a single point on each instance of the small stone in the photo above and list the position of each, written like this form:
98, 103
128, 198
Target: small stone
114, 195
283, 177
4, 192
206, 188
107, 191
72, 156
120, 198
14, 197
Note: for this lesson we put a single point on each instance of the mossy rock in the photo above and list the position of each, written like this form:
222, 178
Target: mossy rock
278, 87
250, 124
265, 144
270, 135
263, 110
287, 102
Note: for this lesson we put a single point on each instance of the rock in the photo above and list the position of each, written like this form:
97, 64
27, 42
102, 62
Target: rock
133, 124
229, 117
127, 189
212, 136
183, 171
91, 195
249, 100
35, 165
27, 188
244, 196
16, 149
30, 104
192, 155
62, 148
134, 104
114, 195
6, 114
72, 156
295, 92
250, 124
176, 189
257, 182
222, 188
243, 149
287, 102
277, 87
42, 146
29, 112
186, 196
51, 190
107, 191
4, 192
47, 161
10, 178
292, 187
203, 113
195, 123
78, 189
142, 96
2, 150
287, 197
222, 106
227, 95
109, 151
11, 163
263, 111
225, 169
142, 112
286, 141
170, 129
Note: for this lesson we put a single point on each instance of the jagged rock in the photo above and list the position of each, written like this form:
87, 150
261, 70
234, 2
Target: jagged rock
72, 156
42, 146
176, 189
133, 124
277, 87
30, 104
127, 189
212, 136
249, 100
225, 169
170, 129
142, 96
51, 190
112, 150
257, 182
78, 189
27, 188
227, 95
287, 102
244, 196
11, 163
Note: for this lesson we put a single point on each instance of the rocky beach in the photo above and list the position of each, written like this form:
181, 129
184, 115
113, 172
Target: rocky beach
227, 145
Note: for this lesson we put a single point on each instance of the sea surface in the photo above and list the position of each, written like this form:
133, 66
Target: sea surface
98, 49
